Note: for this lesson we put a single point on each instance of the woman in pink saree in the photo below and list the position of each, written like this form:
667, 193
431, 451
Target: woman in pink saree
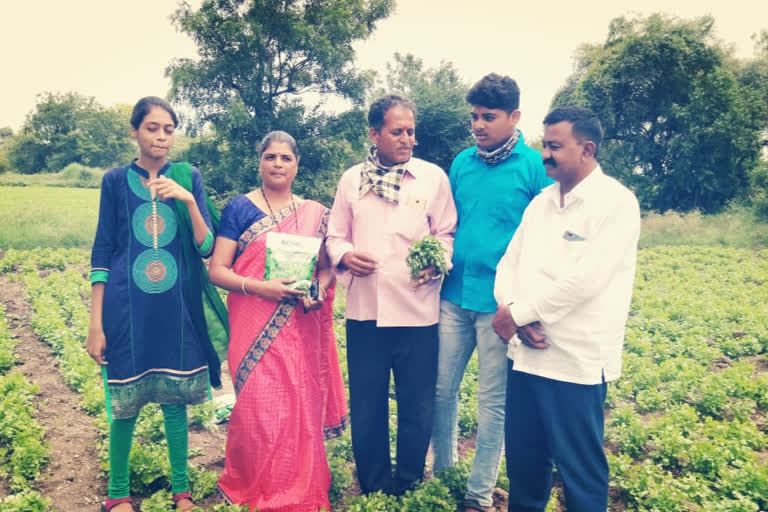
282, 353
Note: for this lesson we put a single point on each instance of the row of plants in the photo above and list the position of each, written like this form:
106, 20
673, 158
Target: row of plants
57, 289
689, 418
687, 421
60, 319
23, 450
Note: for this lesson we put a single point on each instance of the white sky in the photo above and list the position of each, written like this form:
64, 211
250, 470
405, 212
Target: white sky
117, 51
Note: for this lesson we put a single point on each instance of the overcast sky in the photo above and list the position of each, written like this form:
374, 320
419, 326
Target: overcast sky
117, 51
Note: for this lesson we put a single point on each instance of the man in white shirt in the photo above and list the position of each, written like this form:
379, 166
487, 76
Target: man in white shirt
563, 289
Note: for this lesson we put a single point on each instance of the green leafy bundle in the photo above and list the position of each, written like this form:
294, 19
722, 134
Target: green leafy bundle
425, 253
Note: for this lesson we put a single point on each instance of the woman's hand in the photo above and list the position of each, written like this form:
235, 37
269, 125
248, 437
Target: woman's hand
275, 289
311, 304
96, 344
166, 188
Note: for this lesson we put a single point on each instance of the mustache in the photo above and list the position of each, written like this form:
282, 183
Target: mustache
550, 162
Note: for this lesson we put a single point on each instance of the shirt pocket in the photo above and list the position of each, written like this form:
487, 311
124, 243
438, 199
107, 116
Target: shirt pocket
564, 253
409, 220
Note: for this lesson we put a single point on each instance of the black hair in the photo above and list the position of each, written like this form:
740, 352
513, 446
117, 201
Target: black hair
584, 122
381, 106
144, 105
495, 91
279, 136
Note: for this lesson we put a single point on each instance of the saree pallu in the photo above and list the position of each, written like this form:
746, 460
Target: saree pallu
290, 394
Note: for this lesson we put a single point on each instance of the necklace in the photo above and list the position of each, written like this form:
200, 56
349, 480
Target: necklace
272, 214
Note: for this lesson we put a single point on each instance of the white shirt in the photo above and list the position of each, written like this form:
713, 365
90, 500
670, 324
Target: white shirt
572, 269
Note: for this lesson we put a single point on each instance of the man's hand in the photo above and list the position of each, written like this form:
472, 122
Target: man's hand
533, 335
427, 275
503, 324
361, 264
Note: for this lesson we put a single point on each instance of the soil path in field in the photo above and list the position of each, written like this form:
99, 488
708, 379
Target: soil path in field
72, 478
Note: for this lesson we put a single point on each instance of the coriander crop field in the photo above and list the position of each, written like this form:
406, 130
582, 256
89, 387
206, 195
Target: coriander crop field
686, 425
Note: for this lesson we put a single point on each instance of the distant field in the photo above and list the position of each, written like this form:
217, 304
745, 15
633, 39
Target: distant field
54, 216
736, 227
47, 217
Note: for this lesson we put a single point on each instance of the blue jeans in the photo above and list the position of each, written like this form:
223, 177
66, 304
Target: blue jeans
462, 330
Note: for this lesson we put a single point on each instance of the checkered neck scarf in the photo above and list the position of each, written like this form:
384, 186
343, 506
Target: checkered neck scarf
384, 181
500, 153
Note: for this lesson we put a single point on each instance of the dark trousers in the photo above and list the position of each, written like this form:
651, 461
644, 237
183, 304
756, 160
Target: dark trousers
553, 422
411, 354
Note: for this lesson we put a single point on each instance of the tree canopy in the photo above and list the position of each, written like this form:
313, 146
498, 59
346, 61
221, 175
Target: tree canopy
256, 58
442, 123
67, 128
680, 127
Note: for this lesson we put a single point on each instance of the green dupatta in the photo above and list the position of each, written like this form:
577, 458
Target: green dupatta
209, 315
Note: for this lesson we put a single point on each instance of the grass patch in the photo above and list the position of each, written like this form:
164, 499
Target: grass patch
737, 227
73, 175
36, 216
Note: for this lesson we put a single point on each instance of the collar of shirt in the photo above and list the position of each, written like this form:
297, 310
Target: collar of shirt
586, 190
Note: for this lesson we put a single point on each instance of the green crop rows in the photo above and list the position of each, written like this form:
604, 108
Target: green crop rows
687, 426
23, 452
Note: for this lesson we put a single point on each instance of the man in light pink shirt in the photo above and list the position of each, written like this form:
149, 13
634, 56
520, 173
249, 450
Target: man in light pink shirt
382, 206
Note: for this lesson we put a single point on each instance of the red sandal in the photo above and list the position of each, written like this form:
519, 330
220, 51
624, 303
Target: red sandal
181, 496
112, 503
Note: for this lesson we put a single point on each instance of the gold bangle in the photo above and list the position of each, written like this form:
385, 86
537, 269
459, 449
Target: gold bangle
242, 285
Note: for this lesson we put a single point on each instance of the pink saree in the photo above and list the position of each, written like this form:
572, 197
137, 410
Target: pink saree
290, 394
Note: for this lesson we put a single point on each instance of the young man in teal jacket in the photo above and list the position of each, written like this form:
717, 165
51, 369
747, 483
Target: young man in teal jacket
492, 183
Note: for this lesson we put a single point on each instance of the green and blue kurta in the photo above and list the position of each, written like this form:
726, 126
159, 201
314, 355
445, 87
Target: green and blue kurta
156, 349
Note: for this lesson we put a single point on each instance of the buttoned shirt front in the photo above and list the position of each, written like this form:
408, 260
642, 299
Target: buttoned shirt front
386, 231
572, 268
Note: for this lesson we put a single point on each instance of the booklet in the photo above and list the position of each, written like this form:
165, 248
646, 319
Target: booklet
291, 257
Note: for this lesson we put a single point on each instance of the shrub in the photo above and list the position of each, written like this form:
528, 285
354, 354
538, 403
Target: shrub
758, 190
80, 176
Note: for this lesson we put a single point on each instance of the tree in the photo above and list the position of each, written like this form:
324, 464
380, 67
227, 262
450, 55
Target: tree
6, 134
256, 58
753, 74
442, 123
67, 128
679, 126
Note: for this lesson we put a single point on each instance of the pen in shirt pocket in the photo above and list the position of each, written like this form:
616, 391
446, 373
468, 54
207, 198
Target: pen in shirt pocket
572, 237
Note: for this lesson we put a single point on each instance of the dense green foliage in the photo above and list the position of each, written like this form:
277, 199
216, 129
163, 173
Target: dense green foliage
425, 253
687, 421
255, 60
70, 128
690, 413
680, 127
56, 291
23, 450
442, 121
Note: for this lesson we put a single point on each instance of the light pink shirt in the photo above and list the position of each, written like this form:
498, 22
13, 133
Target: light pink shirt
386, 231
